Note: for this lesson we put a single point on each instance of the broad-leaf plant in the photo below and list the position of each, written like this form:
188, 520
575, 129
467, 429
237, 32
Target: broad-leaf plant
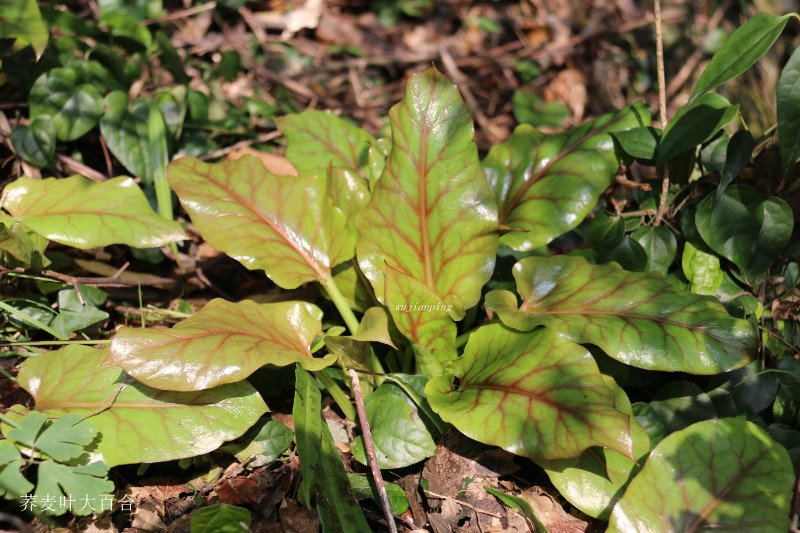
440, 289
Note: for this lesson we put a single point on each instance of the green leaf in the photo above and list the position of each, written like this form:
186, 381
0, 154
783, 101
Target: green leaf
737, 156
74, 314
639, 319
400, 436
224, 343
22, 21
317, 140
126, 134
423, 318
594, 481
639, 143
788, 101
660, 245
267, 442
138, 424
694, 124
12, 483
374, 327
74, 106
545, 184
701, 269
323, 472
725, 475
349, 192
742, 226
431, 215
676, 406
284, 225
80, 213
221, 518
20, 246
364, 488
740, 51
81, 490
626, 251
515, 502
62, 440
36, 144
534, 394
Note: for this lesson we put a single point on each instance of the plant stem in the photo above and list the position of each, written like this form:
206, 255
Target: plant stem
662, 108
341, 305
369, 447
337, 394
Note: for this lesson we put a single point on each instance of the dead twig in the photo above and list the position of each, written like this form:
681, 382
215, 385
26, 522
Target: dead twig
662, 112
185, 13
82, 169
113, 281
463, 504
369, 446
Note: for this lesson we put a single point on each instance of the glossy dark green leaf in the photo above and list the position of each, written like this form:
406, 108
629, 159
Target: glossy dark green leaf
694, 124
74, 106
324, 479
266, 441
737, 156
138, 424
224, 343
364, 488
81, 213
36, 144
594, 481
626, 251
638, 143
285, 225
749, 387
660, 246
676, 406
725, 475
534, 394
545, 184
126, 135
713, 153
788, 101
221, 518
318, 140
637, 318
22, 21
701, 269
432, 215
400, 436
740, 51
742, 226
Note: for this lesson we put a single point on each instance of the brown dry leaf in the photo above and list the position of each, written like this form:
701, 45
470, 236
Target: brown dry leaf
239, 491
193, 31
550, 512
277, 164
297, 519
569, 88
146, 520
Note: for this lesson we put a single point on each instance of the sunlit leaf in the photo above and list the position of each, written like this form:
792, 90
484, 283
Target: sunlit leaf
432, 215
285, 225
693, 124
62, 439
81, 490
125, 133
221, 518
21, 246
224, 343
138, 424
80, 213
725, 475
22, 21
639, 319
74, 106
534, 394
546, 184
12, 483
374, 327
701, 269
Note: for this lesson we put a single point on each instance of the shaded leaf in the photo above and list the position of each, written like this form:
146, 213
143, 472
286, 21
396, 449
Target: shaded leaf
545, 184
431, 215
694, 124
138, 424
221, 518
323, 472
74, 106
374, 327
126, 134
80, 490
638, 319
284, 225
660, 245
718, 474
400, 436
267, 441
80, 213
363, 487
318, 140
742, 226
224, 343
36, 143
521, 504
639, 143
737, 156
740, 51
534, 394
788, 102
12, 483
676, 406
624, 250
62, 439
21, 20
20, 246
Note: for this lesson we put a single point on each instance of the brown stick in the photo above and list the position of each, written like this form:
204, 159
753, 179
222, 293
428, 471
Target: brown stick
181, 14
113, 281
82, 169
369, 446
662, 111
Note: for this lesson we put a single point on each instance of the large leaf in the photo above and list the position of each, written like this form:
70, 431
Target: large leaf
224, 343
639, 319
742, 226
318, 139
725, 475
138, 424
284, 225
740, 51
788, 100
81, 213
694, 124
534, 394
546, 184
431, 215
323, 472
